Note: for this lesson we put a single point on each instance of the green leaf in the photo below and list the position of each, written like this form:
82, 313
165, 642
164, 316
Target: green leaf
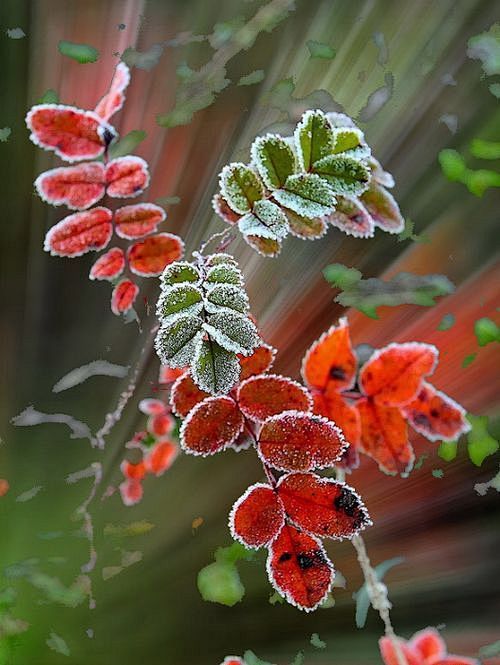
447, 450
344, 174
346, 138
317, 642
468, 360
274, 159
220, 583
224, 273
180, 272
366, 295
184, 298
233, 553
485, 149
447, 322
408, 233
143, 59
363, 599
214, 369
452, 164
227, 296
5, 132
494, 88
50, 96
126, 530
486, 331
233, 331
57, 644
437, 473
251, 79
304, 227
307, 195
251, 659
241, 187
314, 138
479, 181
127, 144
267, 221
480, 443
320, 50
176, 341
220, 257
82, 53
299, 657
490, 650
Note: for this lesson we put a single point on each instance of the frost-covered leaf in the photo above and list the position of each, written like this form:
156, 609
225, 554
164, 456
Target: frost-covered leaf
274, 159
226, 296
127, 177
259, 362
308, 195
240, 187
79, 233
294, 441
77, 187
185, 298
221, 208
215, 369
176, 341
232, 331
314, 138
180, 272
351, 217
150, 256
185, 395
220, 258
123, 296
82, 53
379, 175
368, 294
224, 273
265, 246
211, 426
266, 221
305, 227
109, 265
137, 220
299, 568
383, 208
114, 99
260, 397
344, 174
257, 516
346, 139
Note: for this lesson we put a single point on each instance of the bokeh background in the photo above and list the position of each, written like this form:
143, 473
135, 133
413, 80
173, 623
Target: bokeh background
54, 319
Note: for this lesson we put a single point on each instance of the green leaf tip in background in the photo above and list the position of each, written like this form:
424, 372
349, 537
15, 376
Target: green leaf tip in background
366, 295
320, 50
447, 450
127, 144
253, 78
486, 331
447, 322
480, 443
5, 132
127, 530
50, 96
317, 642
408, 233
455, 169
485, 149
220, 582
490, 650
363, 599
56, 643
251, 659
82, 53
468, 360
437, 473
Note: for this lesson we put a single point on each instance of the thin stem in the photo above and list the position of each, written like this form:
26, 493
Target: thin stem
226, 238
377, 591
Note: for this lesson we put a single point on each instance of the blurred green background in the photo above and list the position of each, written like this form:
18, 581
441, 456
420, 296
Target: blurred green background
430, 96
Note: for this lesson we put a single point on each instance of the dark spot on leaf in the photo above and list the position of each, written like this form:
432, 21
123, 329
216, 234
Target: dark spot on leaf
346, 502
434, 413
337, 372
286, 556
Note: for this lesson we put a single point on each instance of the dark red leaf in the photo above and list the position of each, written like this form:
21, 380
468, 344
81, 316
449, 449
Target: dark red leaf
322, 506
108, 265
79, 233
127, 176
150, 257
123, 296
72, 134
267, 395
299, 568
211, 426
393, 375
259, 362
185, 395
77, 187
257, 516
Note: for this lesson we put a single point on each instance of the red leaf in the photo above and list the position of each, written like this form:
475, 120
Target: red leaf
299, 569
232, 660
211, 426
185, 395
138, 220
384, 437
151, 406
293, 441
161, 457
330, 362
352, 217
222, 209
336, 408
383, 208
123, 296
428, 643
127, 176
77, 187
168, 375
455, 660
393, 375
108, 265
71, 133
150, 257
435, 415
259, 362
80, 232
257, 516
113, 100
322, 506
267, 395
389, 654
161, 424
133, 471
131, 491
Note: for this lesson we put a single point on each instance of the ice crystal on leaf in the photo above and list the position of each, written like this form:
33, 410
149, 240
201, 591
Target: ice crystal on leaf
324, 174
